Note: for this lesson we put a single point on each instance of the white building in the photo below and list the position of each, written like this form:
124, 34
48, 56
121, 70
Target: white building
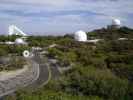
80, 36
9, 42
20, 41
116, 22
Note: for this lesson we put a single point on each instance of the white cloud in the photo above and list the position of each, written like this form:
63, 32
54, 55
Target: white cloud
102, 11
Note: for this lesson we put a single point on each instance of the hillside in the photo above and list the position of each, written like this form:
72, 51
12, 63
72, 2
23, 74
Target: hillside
106, 33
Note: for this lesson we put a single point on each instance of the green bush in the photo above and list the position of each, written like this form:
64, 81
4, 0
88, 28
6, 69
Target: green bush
121, 65
92, 81
49, 95
3, 52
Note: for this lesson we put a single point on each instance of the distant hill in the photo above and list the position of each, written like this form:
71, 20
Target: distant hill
108, 33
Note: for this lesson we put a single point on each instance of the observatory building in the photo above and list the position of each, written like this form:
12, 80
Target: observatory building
19, 41
13, 30
80, 36
116, 24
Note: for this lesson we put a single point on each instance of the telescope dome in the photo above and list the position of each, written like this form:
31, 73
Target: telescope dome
19, 41
80, 36
116, 22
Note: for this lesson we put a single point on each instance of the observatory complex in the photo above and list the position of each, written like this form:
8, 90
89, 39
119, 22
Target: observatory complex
81, 36
13, 30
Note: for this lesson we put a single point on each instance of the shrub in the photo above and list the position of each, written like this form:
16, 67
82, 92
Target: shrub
91, 81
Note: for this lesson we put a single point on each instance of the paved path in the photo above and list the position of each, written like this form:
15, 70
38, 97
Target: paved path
12, 84
44, 75
54, 68
48, 70
38, 74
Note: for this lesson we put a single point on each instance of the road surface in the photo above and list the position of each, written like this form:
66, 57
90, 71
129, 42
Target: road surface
39, 74
12, 84
48, 70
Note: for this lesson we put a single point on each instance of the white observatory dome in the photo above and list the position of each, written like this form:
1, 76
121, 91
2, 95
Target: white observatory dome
80, 36
19, 41
116, 22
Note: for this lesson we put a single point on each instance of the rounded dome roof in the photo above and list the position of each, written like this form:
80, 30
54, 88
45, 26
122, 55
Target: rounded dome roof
116, 22
19, 41
80, 36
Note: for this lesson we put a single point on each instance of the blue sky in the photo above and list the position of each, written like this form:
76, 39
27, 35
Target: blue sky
57, 17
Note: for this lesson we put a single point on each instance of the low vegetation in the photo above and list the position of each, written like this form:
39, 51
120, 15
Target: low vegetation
13, 64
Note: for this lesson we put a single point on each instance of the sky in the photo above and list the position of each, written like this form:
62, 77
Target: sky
58, 17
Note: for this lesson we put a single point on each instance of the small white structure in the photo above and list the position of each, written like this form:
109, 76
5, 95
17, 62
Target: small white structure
122, 39
80, 36
13, 30
20, 41
94, 41
53, 45
36, 48
9, 42
26, 53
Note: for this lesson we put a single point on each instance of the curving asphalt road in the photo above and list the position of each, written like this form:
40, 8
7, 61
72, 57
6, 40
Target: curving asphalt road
48, 70
12, 84
44, 75
39, 74
55, 73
